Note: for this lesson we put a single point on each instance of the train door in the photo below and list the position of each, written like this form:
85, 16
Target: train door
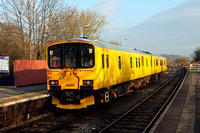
142, 64
132, 66
103, 67
107, 66
161, 65
152, 65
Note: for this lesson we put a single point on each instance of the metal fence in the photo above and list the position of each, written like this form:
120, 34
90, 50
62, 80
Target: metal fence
194, 67
6, 79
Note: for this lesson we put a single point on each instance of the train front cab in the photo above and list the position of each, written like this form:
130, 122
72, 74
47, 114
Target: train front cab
70, 72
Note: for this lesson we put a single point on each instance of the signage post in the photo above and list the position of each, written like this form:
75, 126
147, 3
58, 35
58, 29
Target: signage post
4, 71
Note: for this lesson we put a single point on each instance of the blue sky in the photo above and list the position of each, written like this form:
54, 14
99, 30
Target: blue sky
157, 26
126, 12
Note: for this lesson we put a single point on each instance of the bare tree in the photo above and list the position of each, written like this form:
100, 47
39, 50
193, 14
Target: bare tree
32, 17
10, 43
182, 61
95, 21
70, 23
40, 22
197, 55
115, 43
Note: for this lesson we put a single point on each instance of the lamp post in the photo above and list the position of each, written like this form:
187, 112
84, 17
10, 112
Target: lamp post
124, 40
86, 26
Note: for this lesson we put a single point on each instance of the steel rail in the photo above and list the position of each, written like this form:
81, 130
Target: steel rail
180, 83
119, 118
76, 117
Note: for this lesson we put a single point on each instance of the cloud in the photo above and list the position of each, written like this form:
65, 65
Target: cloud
106, 7
177, 29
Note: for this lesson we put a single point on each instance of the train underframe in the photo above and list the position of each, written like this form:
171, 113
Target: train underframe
77, 99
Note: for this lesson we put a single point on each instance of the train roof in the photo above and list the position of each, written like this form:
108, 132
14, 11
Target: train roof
111, 46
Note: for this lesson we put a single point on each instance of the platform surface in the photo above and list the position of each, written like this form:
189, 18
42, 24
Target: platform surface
11, 95
183, 113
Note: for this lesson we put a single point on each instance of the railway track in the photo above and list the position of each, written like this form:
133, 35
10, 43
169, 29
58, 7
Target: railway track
141, 117
97, 118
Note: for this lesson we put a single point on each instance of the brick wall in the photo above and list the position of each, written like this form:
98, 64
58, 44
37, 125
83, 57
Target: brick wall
29, 72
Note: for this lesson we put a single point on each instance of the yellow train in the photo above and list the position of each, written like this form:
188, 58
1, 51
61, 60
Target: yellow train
83, 72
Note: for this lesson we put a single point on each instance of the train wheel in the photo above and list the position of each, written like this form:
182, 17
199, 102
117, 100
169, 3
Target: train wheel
143, 85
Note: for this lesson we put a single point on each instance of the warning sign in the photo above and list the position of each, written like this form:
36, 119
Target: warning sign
4, 64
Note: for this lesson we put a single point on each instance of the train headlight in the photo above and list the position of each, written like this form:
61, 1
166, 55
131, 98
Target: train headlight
87, 82
53, 82
49, 75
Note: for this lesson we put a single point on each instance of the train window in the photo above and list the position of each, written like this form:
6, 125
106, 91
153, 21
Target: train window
139, 61
70, 56
120, 62
161, 62
136, 62
131, 62
102, 60
107, 60
142, 61
87, 56
147, 62
54, 53
156, 62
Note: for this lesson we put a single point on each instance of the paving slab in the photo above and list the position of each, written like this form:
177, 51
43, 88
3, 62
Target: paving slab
183, 113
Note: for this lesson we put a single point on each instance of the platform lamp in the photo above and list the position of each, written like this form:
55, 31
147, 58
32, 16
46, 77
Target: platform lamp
124, 41
86, 26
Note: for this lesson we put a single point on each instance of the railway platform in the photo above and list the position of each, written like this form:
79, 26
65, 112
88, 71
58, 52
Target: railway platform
183, 113
12, 95
18, 104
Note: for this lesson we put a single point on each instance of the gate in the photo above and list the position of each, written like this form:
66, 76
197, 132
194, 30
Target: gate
194, 67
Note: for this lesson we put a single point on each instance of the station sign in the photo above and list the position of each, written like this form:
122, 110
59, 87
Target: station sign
4, 64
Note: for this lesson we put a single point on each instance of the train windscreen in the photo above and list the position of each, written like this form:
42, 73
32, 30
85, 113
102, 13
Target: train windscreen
54, 54
87, 56
71, 55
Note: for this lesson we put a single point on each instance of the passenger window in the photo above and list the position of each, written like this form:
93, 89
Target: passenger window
107, 60
119, 62
131, 62
139, 61
161, 62
102, 60
147, 62
142, 61
156, 62
136, 63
